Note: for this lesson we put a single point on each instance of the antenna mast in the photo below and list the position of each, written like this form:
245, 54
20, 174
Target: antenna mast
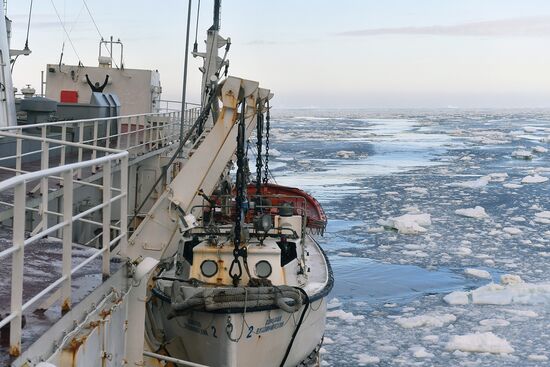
212, 62
7, 97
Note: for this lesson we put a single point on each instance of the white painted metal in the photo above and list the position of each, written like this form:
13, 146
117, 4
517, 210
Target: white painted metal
157, 236
7, 97
18, 184
66, 301
138, 90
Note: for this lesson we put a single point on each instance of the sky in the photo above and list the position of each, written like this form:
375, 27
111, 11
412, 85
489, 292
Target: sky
339, 53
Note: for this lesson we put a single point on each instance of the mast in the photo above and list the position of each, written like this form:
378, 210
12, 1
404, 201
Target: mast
7, 97
212, 62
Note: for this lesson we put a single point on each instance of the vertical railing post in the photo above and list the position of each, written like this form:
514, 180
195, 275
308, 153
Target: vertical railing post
44, 189
67, 240
108, 134
63, 146
136, 142
129, 133
119, 133
17, 268
106, 235
124, 205
18, 152
94, 143
80, 141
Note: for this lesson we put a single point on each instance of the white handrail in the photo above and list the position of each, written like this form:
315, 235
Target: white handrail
31, 176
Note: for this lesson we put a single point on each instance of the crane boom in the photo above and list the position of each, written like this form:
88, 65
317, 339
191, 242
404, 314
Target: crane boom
158, 235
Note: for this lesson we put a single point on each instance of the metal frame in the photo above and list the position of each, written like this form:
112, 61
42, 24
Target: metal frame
64, 173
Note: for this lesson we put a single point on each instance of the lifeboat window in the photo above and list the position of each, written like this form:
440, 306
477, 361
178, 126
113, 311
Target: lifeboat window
263, 269
209, 268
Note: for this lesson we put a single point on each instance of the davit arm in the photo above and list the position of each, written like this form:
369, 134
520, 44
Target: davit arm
158, 234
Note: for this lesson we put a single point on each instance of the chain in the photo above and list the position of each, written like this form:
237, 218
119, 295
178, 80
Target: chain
259, 132
235, 270
266, 169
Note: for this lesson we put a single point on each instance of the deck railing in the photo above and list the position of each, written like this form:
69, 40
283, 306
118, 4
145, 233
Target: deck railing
110, 162
138, 134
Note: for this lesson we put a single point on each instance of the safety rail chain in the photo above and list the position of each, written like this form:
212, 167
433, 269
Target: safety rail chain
111, 161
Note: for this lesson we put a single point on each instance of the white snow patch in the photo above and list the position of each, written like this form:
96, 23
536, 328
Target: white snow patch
509, 279
537, 357
457, 298
345, 154
420, 352
363, 359
334, 303
428, 320
512, 230
494, 322
478, 273
476, 184
511, 186
431, 338
408, 223
498, 177
534, 179
417, 190
539, 149
479, 342
478, 212
522, 154
521, 313
345, 316
512, 291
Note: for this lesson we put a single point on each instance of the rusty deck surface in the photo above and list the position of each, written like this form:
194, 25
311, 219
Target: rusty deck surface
42, 267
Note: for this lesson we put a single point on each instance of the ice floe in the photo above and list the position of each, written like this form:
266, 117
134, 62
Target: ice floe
428, 320
478, 212
478, 273
364, 359
408, 223
345, 154
539, 149
479, 342
533, 179
475, 184
345, 316
512, 291
522, 154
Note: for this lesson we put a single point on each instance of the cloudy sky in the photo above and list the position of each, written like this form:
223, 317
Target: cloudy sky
338, 53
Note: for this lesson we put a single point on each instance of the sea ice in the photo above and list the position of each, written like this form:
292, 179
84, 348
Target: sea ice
512, 230
476, 184
345, 154
479, 342
494, 322
408, 223
534, 179
417, 190
537, 357
428, 320
457, 298
522, 154
478, 273
539, 149
512, 186
363, 359
420, 352
512, 291
478, 212
345, 316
